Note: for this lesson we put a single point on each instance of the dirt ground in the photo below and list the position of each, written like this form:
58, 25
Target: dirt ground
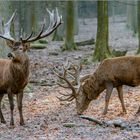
45, 116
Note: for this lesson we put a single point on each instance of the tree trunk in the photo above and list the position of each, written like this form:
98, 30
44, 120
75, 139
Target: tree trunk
69, 40
59, 33
113, 10
132, 15
138, 17
102, 50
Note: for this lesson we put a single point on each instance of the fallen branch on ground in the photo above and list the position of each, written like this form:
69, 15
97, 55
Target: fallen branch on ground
92, 119
41, 83
70, 125
116, 123
86, 42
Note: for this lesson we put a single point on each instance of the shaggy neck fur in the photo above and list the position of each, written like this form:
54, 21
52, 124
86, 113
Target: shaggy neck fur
92, 88
20, 73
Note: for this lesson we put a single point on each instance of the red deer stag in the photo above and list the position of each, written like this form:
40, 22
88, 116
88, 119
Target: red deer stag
14, 72
111, 73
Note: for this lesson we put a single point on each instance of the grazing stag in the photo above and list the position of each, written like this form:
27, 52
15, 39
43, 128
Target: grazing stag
14, 72
111, 73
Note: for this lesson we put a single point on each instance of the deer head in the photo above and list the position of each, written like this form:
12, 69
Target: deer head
20, 47
70, 75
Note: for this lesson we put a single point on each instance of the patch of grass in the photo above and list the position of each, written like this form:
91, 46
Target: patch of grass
28, 88
69, 125
85, 61
43, 41
117, 53
38, 46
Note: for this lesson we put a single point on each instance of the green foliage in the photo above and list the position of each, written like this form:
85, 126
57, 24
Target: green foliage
28, 88
117, 53
69, 125
37, 46
85, 61
43, 41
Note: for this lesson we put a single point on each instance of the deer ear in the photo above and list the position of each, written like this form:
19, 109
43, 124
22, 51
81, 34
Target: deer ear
10, 43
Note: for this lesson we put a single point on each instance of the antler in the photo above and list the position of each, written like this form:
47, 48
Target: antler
55, 21
6, 35
64, 76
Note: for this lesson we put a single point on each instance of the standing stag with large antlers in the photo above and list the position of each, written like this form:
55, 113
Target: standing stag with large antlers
14, 72
111, 73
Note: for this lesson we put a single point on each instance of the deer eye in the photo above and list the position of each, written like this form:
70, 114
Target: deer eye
20, 49
15, 47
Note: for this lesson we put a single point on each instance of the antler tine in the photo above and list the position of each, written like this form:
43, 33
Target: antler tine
67, 64
27, 37
64, 94
64, 78
57, 15
6, 35
51, 15
64, 86
67, 67
66, 99
76, 74
11, 19
55, 21
38, 36
56, 18
41, 31
21, 33
69, 97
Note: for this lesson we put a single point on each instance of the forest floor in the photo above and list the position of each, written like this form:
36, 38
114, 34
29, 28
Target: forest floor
45, 116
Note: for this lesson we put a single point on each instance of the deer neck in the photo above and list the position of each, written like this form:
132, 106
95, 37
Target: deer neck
20, 69
93, 87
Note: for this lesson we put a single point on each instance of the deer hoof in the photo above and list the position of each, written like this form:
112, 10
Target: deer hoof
11, 123
22, 123
137, 114
3, 121
124, 112
105, 112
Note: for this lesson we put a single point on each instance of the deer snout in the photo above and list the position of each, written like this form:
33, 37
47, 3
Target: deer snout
11, 55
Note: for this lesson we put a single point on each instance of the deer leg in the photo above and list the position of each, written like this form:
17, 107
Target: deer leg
109, 88
19, 104
120, 94
138, 112
10, 97
1, 115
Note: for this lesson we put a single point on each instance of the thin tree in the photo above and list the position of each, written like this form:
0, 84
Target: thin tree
102, 50
59, 33
138, 20
132, 15
69, 36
